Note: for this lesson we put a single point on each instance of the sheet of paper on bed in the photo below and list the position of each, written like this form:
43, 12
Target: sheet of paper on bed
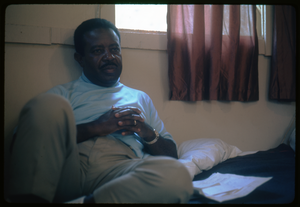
222, 187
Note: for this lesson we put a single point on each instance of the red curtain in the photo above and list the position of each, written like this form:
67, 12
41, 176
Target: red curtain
283, 67
213, 52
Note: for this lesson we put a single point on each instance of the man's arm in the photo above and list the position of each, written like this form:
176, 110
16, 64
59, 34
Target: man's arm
162, 146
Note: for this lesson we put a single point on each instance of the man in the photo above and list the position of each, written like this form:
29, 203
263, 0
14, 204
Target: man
95, 139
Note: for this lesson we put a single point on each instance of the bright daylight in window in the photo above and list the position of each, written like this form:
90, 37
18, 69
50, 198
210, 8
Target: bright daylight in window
154, 17
141, 17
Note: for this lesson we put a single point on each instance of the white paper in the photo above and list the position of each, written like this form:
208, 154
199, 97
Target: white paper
222, 187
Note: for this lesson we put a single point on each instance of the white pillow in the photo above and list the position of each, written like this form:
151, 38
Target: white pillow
204, 153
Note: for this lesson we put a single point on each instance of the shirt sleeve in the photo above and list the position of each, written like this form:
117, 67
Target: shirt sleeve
155, 122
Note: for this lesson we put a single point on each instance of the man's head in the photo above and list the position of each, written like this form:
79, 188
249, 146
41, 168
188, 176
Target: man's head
98, 51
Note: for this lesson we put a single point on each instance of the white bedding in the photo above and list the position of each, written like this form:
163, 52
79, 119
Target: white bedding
204, 153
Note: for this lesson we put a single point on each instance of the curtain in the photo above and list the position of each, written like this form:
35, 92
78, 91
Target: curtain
212, 52
283, 66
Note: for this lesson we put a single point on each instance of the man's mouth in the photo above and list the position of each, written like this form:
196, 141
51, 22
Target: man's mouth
109, 68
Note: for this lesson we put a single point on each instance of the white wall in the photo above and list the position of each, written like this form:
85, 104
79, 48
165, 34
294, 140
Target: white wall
250, 126
34, 68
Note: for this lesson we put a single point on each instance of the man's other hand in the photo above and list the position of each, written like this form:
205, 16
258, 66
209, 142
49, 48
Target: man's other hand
119, 119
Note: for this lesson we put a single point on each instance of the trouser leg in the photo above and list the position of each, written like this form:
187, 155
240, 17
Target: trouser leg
45, 160
155, 179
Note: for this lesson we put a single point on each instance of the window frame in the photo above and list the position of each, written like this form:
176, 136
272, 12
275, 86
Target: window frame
268, 20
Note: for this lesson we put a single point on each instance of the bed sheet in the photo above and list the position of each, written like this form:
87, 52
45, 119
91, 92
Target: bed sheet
278, 163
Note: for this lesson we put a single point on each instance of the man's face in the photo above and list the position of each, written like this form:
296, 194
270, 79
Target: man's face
102, 60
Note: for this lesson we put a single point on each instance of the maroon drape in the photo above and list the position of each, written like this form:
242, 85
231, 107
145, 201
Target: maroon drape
283, 67
213, 52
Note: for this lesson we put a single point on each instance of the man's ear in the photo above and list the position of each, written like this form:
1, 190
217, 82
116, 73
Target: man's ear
79, 59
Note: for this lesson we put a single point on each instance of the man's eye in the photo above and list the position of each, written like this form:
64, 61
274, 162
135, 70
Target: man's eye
98, 51
115, 49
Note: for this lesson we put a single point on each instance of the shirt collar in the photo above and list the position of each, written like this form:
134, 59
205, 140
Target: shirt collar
86, 80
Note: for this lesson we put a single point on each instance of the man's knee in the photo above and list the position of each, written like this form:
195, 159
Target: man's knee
174, 178
46, 113
178, 180
46, 105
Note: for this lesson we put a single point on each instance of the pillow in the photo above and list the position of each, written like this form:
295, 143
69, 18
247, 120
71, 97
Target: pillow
204, 153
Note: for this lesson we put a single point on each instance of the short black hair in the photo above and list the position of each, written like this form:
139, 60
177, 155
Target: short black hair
88, 26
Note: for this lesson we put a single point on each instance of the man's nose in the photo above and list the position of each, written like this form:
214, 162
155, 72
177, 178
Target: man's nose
108, 55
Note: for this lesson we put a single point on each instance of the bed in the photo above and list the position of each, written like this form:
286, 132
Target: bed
206, 156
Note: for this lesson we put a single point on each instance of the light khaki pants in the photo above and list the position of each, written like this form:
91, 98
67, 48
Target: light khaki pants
47, 162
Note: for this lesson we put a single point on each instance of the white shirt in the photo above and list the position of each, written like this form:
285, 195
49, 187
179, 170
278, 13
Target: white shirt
90, 101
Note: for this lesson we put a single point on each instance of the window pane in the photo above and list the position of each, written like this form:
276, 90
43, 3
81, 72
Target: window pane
141, 17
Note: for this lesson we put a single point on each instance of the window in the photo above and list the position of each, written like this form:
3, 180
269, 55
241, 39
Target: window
138, 39
152, 35
141, 17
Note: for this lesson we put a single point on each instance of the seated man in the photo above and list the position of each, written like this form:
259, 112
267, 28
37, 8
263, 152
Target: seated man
95, 140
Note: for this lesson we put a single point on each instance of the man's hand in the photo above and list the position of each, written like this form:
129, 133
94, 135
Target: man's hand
113, 120
129, 121
161, 147
119, 119
136, 125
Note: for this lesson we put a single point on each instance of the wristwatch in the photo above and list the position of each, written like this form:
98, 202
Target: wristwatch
155, 139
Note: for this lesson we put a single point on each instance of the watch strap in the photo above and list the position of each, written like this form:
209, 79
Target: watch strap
155, 139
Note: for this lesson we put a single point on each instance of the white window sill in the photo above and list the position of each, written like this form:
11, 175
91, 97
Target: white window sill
143, 39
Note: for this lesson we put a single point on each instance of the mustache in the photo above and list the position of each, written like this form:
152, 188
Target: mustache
107, 64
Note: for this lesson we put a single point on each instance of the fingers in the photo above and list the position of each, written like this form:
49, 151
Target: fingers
128, 122
127, 133
131, 130
128, 119
120, 112
130, 126
114, 108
